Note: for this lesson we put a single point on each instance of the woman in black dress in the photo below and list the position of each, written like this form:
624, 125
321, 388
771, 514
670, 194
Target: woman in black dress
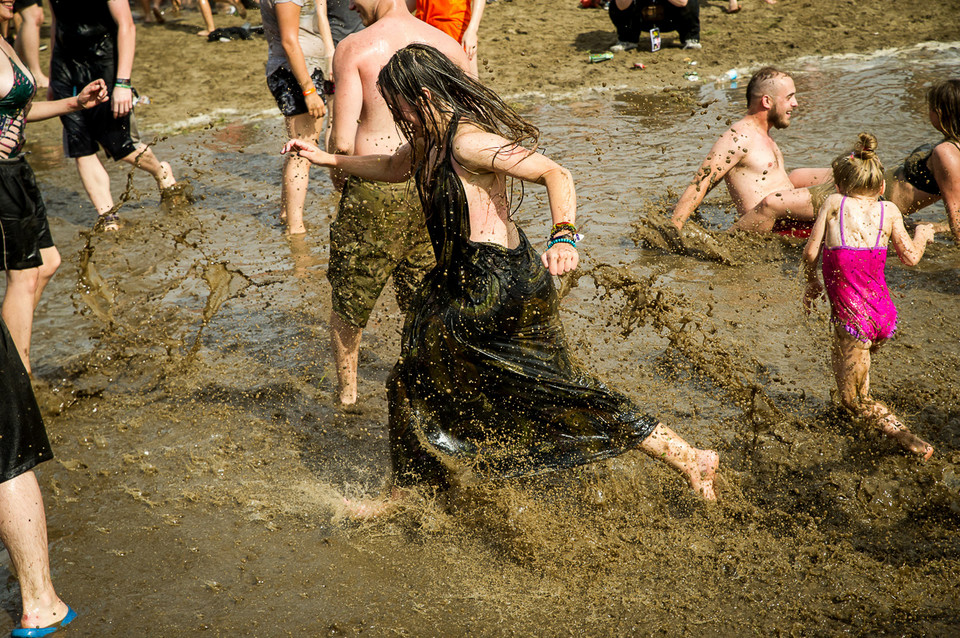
485, 383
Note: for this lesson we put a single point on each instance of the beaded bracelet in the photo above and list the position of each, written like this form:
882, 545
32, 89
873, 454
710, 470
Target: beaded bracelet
561, 240
310, 91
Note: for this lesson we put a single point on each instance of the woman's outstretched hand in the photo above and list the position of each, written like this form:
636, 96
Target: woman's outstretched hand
560, 258
308, 151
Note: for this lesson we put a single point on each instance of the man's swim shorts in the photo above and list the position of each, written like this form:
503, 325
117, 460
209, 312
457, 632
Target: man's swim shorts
379, 232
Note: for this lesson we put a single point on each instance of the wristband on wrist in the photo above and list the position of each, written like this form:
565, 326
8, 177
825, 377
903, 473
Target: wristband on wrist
122, 83
561, 240
309, 91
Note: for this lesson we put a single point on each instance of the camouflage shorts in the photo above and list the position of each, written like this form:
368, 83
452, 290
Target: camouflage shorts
379, 232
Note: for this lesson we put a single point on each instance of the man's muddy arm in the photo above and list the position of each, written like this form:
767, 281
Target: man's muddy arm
347, 106
724, 155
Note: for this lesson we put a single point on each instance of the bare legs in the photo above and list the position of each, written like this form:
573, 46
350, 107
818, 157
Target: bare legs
24, 288
851, 367
23, 529
96, 181
699, 467
28, 42
207, 18
345, 342
296, 172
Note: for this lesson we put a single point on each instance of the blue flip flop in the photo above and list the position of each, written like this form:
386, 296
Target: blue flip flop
36, 632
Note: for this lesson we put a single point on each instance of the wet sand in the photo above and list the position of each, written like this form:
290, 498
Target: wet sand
184, 372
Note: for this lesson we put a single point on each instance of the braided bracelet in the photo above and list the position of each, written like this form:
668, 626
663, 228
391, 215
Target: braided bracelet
561, 240
563, 226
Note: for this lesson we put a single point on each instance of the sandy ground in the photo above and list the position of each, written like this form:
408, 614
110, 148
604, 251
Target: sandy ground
197, 447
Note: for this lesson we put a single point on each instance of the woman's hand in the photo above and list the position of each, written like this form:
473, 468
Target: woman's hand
93, 94
315, 104
309, 152
469, 43
560, 258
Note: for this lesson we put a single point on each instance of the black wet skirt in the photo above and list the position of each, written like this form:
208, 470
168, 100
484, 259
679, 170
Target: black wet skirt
23, 439
485, 382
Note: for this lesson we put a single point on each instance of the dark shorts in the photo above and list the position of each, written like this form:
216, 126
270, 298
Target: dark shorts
23, 439
287, 92
20, 5
84, 132
379, 232
23, 216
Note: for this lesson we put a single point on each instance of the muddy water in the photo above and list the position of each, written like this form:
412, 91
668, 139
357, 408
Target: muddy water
184, 369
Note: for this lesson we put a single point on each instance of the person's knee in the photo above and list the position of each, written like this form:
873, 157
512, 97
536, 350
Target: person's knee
51, 262
24, 281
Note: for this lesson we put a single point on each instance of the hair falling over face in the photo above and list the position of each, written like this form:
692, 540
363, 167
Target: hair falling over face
426, 93
944, 100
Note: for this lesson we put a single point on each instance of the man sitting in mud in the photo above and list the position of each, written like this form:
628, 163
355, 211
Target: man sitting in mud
750, 162
379, 231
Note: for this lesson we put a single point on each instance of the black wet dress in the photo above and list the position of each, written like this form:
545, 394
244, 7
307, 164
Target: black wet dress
485, 383
23, 439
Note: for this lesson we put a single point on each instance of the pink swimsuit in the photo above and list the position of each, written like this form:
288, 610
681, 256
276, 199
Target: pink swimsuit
857, 287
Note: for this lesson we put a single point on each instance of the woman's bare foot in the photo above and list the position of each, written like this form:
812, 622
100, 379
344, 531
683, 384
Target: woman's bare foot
107, 223
702, 479
203, 33
907, 439
733, 7
368, 509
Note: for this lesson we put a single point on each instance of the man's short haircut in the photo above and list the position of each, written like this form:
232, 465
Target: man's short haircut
758, 83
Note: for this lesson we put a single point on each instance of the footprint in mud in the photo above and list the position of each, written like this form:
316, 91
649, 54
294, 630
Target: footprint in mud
656, 231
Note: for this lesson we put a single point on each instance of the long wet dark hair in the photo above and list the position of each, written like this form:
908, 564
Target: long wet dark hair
453, 94
944, 100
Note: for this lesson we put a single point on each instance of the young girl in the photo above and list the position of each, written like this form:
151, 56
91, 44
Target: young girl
855, 228
485, 381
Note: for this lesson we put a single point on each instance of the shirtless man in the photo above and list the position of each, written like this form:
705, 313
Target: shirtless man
379, 231
750, 162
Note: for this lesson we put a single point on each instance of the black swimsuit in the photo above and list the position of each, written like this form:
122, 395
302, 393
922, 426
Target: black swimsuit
485, 380
917, 173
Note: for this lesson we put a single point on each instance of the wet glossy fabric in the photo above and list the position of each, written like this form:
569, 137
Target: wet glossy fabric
485, 381
23, 439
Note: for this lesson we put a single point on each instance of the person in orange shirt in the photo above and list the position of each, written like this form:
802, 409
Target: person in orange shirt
460, 19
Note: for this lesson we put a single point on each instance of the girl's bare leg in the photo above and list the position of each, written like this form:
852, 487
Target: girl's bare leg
699, 467
851, 367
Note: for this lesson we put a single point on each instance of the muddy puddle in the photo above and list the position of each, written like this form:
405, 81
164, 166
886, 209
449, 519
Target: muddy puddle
184, 370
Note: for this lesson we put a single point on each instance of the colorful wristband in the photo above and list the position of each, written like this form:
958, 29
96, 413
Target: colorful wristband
310, 91
123, 83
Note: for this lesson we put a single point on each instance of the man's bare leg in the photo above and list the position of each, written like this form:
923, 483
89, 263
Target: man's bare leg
793, 204
699, 467
296, 173
28, 42
144, 159
851, 368
96, 182
345, 341
23, 529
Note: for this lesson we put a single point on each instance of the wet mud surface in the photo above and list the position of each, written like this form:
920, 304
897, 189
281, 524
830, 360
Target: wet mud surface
183, 368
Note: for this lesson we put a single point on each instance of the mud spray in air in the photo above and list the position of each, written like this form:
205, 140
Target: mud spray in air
184, 369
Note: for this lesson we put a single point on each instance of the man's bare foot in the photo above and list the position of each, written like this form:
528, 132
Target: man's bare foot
166, 178
44, 617
702, 480
733, 7
907, 439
